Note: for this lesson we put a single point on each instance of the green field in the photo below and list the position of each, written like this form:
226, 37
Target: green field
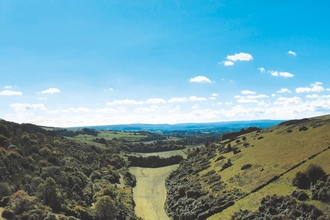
163, 154
109, 135
150, 193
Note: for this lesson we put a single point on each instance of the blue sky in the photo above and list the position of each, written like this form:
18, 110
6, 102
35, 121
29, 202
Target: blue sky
76, 63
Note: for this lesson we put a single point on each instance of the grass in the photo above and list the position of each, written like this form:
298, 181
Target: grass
273, 155
150, 193
163, 154
109, 135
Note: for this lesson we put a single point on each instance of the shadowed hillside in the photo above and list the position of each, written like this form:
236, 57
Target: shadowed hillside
45, 175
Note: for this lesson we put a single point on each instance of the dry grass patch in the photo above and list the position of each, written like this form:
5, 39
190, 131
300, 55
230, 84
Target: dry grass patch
150, 193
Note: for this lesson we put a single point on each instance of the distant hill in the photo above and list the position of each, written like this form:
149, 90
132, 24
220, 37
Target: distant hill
212, 126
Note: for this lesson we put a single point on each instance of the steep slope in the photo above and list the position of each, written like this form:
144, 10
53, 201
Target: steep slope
236, 174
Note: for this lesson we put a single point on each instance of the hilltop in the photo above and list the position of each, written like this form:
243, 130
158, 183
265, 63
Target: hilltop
223, 178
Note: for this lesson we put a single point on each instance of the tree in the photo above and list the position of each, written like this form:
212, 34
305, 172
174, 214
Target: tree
20, 201
4, 130
48, 194
105, 209
301, 180
5, 190
315, 172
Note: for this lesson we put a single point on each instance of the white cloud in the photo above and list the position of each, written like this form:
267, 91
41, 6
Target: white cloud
172, 100
261, 69
195, 106
251, 96
50, 91
286, 74
227, 63
106, 110
79, 109
109, 89
314, 96
8, 87
292, 53
283, 74
248, 92
195, 98
316, 87
240, 56
200, 79
284, 101
125, 102
214, 95
10, 93
19, 107
145, 109
283, 90
156, 101
328, 89
243, 100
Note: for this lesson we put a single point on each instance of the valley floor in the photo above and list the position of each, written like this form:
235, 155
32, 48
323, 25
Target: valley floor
150, 193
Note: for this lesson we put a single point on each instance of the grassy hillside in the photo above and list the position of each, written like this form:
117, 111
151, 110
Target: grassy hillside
271, 158
275, 151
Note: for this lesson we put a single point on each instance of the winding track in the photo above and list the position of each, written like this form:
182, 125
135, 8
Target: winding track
150, 192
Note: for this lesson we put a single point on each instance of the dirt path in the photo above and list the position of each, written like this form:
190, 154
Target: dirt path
150, 193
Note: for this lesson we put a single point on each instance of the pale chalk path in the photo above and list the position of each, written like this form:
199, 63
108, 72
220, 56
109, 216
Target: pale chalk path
150, 193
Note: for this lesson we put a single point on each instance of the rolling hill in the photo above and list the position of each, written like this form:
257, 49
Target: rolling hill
238, 174
214, 126
278, 172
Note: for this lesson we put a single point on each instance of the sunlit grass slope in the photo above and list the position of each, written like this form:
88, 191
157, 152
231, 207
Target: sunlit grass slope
274, 152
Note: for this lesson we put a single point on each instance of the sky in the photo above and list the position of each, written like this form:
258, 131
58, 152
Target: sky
79, 63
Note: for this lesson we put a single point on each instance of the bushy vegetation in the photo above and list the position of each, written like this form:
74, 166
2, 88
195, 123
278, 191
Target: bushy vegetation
42, 173
315, 179
192, 195
72, 133
154, 161
280, 207
157, 146
232, 135
303, 180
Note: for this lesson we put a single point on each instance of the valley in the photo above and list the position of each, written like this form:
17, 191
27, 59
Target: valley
100, 174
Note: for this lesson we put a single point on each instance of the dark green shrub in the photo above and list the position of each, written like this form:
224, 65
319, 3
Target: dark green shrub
20, 201
246, 166
315, 172
4, 130
47, 192
5, 189
301, 180
104, 208
8, 214
83, 213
